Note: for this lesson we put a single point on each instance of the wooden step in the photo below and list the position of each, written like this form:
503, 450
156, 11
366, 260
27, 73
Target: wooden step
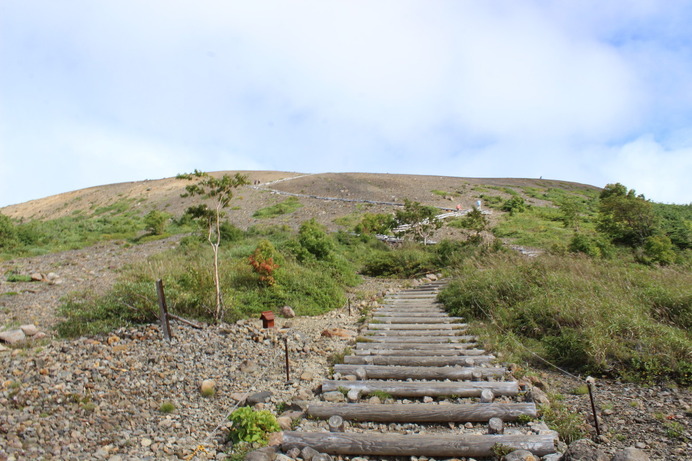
417, 320
409, 333
419, 353
423, 389
420, 412
418, 339
434, 445
391, 345
434, 373
418, 361
417, 326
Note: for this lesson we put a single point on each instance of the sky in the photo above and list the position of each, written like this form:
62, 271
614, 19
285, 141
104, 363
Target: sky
96, 92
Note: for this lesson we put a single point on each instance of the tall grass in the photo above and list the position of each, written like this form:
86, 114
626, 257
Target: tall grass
599, 317
311, 286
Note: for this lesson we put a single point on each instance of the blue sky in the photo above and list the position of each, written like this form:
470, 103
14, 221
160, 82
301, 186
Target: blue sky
101, 91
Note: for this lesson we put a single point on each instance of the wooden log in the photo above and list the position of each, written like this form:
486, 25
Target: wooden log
487, 396
418, 361
417, 320
496, 426
412, 314
450, 333
419, 353
336, 424
417, 339
416, 326
437, 445
422, 389
436, 373
423, 347
420, 412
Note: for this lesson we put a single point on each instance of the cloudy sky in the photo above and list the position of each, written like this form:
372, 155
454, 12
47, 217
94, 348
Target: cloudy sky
101, 91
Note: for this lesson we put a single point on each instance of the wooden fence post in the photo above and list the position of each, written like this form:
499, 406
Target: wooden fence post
163, 311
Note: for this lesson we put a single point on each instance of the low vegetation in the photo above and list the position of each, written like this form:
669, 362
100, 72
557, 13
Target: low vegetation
568, 310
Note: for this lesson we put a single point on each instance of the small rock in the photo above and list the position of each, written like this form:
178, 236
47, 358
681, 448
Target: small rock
294, 452
29, 330
322, 457
36, 277
259, 397
263, 454
428, 399
520, 455
4, 348
287, 312
641, 445
307, 376
630, 454
12, 336
552, 457
353, 395
333, 396
339, 333
285, 422
308, 453
248, 366
282, 457
208, 387
538, 396
374, 400
112, 340
146, 442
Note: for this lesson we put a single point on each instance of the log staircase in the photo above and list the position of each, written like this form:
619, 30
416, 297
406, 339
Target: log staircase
414, 350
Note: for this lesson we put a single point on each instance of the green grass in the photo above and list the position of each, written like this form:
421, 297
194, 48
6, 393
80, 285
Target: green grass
537, 227
606, 317
288, 206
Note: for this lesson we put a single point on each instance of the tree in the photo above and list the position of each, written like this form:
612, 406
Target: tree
155, 222
8, 232
419, 221
376, 223
626, 217
220, 192
513, 205
476, 221
570, 209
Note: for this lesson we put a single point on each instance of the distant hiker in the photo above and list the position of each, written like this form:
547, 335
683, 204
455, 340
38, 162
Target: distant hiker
458, 206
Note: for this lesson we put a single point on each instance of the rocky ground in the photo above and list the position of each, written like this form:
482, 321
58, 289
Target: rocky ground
105, 397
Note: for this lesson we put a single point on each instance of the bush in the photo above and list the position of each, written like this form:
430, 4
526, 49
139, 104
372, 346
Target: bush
403, 263
516, 204
155, 222
252, 426
658, 249
314, 239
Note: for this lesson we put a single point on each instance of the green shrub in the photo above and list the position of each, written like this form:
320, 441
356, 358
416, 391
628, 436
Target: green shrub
252, 426
407, 262
515, 204
314, 239
659, 249
155, 222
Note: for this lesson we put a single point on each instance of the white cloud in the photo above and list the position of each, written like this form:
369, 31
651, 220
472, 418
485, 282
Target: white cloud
661, 174
495, 88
